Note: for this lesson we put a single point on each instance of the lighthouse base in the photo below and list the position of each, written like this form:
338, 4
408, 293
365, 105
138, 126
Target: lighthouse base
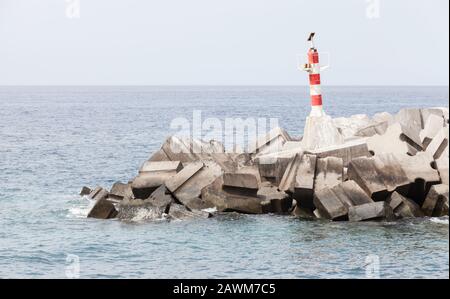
320, 132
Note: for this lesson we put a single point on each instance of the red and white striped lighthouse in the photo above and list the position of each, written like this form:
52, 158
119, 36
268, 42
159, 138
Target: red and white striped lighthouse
313, 68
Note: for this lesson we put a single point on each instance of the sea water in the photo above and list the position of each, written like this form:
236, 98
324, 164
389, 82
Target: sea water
54, 140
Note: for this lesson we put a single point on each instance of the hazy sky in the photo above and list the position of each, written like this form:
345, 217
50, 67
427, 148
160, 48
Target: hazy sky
223, 42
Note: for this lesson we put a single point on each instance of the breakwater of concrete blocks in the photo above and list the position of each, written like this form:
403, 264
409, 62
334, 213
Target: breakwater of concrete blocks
389, 167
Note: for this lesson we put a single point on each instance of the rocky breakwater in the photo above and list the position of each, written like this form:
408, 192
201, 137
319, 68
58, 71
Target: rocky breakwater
389, 167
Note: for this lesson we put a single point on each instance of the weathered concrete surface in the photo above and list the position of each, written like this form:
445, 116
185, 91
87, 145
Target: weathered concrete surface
273, 166
159, 156
304, 182
187, 185
161, 166
320, 131
410, 119
379, 176
119, 191
371, 211
280, 202
247, 202
85, 191
161, 199
271, 142
433, 125
436, 202
392, 173
329, 173
347, 151
404, 207
98, 193
292, 146
334, 203
351, 194
442, 166
349, 126
290, 174
373, 129
397, 139
240, 180
103, 208
428, 112
421, 174
438, 146
152, 175
329, 205
383, 117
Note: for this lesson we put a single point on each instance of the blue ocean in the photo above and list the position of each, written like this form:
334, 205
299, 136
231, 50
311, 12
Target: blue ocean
54, 140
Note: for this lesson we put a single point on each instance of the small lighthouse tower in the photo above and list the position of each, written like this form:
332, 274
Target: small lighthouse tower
313, 68
320, 132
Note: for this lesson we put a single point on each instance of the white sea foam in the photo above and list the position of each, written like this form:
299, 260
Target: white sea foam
144, 214
440, 220
78, 212
210, 210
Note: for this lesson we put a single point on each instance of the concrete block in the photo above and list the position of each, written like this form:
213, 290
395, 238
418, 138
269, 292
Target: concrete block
379, 176
280, 201
351, 194
273, 166
103, 208
421, 174
271, 142
187, 185
288, 180
304, 181
433, 125
98, 193
438, 146
240, 181
161, 199
214, 196
161, 166
436, 202
85, 191
119, 191
334, 203
410, 118
371, 211
159, 156
404, 207
349, 126
428, 112
373, 129
383, 117
152, 175
329, 205
329, 173
347, 151
397, 139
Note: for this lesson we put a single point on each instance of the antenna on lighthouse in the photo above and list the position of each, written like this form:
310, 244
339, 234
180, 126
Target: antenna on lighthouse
311, 39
